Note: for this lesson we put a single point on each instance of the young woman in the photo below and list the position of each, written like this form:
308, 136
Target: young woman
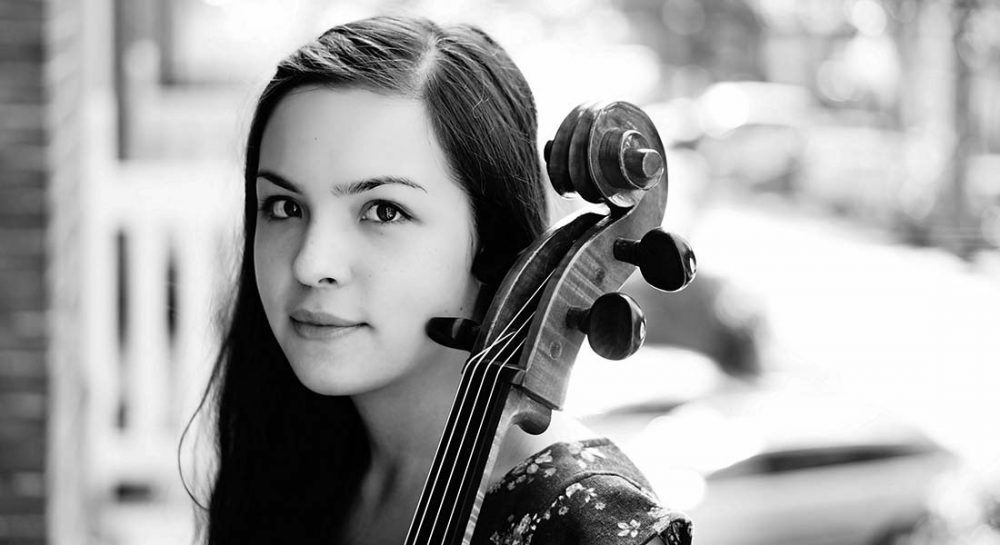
391, 176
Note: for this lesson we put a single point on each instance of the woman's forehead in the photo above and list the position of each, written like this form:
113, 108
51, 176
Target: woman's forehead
346, 135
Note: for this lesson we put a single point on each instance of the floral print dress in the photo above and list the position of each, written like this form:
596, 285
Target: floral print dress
585, 492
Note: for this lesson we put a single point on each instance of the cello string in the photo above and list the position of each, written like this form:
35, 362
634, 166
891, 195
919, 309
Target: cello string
476, 382
506, 336
443, 445
481, 421
474, 362
477, 378
477, 408
478, 437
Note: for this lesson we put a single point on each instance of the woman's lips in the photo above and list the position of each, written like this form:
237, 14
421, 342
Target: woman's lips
322, 332
321, 318
322, 325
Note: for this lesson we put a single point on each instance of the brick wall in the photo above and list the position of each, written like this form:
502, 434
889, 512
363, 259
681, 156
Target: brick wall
39, 257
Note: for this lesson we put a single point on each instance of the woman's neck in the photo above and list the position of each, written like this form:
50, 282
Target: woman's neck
405, 419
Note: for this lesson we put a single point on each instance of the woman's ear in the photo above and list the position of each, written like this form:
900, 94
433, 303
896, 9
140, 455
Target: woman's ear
483, 272
482, 304
487, 268
478, 265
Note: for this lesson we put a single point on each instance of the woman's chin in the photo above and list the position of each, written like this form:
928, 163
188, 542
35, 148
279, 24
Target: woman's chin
331, 379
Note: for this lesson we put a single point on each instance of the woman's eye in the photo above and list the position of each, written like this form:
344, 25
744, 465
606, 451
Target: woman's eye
383, 212
281, 208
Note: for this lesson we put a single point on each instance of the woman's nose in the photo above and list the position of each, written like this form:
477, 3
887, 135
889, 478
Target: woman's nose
324, 257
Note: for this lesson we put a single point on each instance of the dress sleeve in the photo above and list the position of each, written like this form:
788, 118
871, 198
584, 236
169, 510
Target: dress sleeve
579, 494
598, 510
605, 509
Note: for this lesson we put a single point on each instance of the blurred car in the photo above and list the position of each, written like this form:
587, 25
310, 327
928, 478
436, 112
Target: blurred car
965, 511
983, 194
753, 133
763, 461
712, 316
857, 168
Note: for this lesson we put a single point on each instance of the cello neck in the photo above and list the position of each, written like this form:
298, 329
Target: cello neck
456, 484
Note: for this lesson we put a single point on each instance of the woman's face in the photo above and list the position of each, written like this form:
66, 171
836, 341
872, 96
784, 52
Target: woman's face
361, 237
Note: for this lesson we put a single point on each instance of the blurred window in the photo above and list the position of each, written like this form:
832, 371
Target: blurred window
225, 41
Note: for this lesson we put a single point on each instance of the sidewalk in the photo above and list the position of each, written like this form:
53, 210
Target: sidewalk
911, 329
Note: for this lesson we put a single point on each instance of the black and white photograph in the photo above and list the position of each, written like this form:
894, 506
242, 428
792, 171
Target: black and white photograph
499, 272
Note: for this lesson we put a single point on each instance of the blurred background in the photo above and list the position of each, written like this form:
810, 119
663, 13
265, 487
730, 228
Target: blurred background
830, 377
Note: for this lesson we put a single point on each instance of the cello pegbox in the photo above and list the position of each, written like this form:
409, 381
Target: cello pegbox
666, 260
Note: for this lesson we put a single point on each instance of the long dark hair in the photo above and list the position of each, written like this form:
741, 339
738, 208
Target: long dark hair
289, 461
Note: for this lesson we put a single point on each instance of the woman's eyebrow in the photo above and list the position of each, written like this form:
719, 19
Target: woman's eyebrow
361, 186
278, 180
351, 188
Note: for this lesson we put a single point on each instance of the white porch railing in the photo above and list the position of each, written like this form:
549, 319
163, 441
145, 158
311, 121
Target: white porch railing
161, 247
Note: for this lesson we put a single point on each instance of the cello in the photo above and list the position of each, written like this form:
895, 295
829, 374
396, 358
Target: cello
560, 290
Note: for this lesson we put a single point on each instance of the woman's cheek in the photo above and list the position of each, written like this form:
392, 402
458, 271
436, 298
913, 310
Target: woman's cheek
456, 291
273, 271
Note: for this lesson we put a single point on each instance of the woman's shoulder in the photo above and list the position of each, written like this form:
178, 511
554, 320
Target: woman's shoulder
585, 491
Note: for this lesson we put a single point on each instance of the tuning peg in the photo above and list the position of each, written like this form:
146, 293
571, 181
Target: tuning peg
642, 165
614, 325
457, 333
628, 160
666, 260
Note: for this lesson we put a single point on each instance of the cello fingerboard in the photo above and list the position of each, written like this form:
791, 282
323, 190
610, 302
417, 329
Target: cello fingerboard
456, 484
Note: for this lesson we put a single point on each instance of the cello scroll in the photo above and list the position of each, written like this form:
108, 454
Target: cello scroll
609, 154
606, 153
